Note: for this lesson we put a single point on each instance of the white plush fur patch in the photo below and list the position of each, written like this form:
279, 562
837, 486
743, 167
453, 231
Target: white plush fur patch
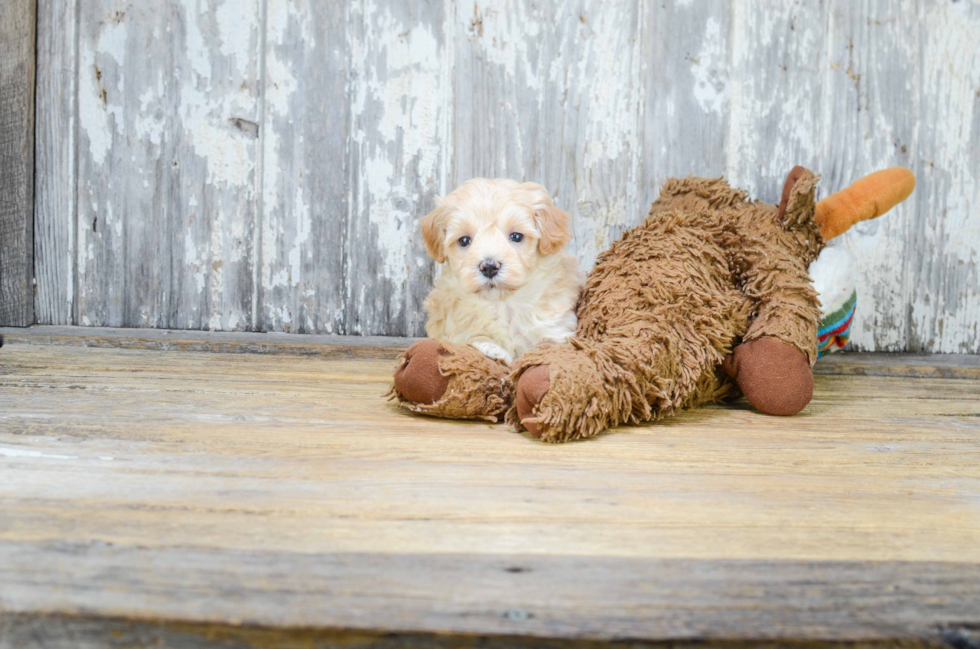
833, 278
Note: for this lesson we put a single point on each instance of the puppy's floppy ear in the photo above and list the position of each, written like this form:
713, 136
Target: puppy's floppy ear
552, 221
554, 227
434, 231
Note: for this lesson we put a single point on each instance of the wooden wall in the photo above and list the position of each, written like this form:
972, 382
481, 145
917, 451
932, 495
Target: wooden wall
262, 164
16, 162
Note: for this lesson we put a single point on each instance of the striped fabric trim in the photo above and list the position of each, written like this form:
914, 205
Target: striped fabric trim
835, 329
846, 312
841, 328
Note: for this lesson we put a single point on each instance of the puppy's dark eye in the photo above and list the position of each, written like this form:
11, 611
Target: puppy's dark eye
465, 241
516, 237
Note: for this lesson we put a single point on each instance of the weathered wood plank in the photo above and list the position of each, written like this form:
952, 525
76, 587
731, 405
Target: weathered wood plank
305, 138
779, 66
17, 67
943, 307
167, 94
230, 490
869, 122
88, 632
401, 152
124, 173
937, 366
687, 78
55, 195
533, 596
329, 346
551, 92
216, 56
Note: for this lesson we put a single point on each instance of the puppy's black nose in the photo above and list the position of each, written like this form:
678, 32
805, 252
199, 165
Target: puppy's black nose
489, 267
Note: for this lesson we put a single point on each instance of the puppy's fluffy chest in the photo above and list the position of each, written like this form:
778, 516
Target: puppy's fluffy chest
543, 310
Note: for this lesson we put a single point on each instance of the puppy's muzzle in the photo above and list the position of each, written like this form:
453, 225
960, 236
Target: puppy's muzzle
489, 268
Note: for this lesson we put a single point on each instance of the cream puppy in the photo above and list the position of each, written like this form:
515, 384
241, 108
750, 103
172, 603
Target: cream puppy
507, 284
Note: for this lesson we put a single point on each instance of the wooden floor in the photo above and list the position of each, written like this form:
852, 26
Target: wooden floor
193, 498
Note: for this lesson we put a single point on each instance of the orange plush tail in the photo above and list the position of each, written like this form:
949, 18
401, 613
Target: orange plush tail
867, 198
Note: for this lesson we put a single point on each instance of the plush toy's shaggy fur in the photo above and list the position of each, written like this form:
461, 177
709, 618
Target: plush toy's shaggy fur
707, 298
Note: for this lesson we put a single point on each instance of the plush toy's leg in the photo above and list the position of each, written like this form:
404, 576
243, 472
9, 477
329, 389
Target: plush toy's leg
772, 365
567, 392
657, 317
583, 388
453, 381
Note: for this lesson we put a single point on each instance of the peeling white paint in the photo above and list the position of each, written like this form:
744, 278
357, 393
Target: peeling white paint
279, 278
401, 111
236, 31
99, 114
773, 88
506, 32
228, 155
918, 267
710, 70
215, 252
279, 93
608, 80
203, 113
950, 283
302, 214
182, 159
287, 211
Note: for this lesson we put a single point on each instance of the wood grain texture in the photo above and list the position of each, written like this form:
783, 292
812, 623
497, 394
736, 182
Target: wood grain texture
78, 632
88, 632
17, 67
238, 489
349, 118
56, 195
536, 598
937, 366
329, 346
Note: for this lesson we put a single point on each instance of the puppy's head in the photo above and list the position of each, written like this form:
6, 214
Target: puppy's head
493, 233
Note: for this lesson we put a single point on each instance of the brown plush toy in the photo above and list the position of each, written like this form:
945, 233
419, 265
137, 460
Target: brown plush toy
707, 299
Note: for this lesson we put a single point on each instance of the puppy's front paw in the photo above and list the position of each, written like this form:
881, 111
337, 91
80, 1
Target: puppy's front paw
493, 350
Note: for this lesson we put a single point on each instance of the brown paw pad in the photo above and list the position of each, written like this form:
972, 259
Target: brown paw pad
774, 376
531, 388
418, 378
